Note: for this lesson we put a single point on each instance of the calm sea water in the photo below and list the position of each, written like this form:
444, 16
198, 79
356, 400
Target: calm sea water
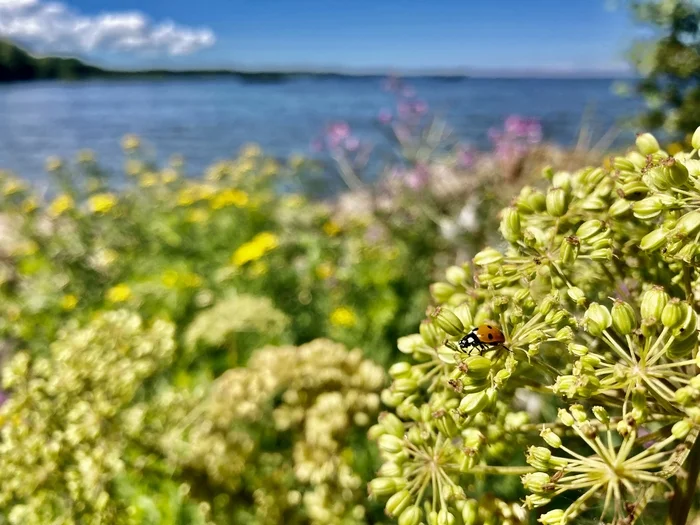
210, 119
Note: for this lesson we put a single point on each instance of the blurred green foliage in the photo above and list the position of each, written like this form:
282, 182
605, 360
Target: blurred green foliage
668, 60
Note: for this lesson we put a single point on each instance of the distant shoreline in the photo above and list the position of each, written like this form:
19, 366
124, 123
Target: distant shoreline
18, 65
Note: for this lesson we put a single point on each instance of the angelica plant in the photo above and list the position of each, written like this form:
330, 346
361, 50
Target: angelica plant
591, 403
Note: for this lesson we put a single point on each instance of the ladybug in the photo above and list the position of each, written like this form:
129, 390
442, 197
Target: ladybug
481, 338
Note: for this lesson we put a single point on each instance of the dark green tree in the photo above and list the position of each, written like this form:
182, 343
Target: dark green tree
668, 61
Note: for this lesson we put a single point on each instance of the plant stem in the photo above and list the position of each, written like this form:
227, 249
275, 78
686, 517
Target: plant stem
685, 489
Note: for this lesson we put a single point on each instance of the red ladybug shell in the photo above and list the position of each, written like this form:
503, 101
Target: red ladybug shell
489, 334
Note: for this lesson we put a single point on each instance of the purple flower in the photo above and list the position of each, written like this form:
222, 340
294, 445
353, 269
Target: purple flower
418, 178
420, 107
352, 143
337, 133
384, 116
465, 156
408, 92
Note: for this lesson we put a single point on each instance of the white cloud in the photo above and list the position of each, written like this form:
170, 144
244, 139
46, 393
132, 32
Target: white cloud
54, 27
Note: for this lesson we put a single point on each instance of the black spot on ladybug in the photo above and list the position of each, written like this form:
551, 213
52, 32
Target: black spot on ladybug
490, 335
489, 327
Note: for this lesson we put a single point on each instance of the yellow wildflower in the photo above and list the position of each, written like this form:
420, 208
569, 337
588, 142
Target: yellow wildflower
148, 179
258, 269
170, 278
294, 201
13, 186
191, 280
86, 156
102, 202
255, 248
119, 293
218, 171
197, 215
324, 270
53, 164
251, 150
229, 197
331, 228
61, 204
29, 205
131, 142
343, 316
270, 167
133, 167
169, 175
296, 161
267, 240
69, 302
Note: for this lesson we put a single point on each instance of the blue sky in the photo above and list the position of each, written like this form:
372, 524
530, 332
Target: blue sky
500, 35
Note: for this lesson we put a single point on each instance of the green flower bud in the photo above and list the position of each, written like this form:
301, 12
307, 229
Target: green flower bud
577, 296
390, 470
695, 141
510, 225
589, 229
390, 444
654, 240
653, 303
622, 164
474, 403
564, 335
536, 481
553, 517
429, 333
565, 417
597, 319
672, 314
601, 414
456, 276
689, 325
398, 503
689, 223
619, 208
569, 250
533, 501
445, 517
476, 367
392, 424
470, 512
634, 190
464, 313
652, 206
624, 320
550, 438
381, 487
487, 257
442, 292
636, 158
411, 516
556, 202
536, 201
391, 399
658, 178
404, 385
449, 322
684, 395
676, 173
579, 413
604, 254
682, 428
546, 305
400, 369
647, 144
623, 428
